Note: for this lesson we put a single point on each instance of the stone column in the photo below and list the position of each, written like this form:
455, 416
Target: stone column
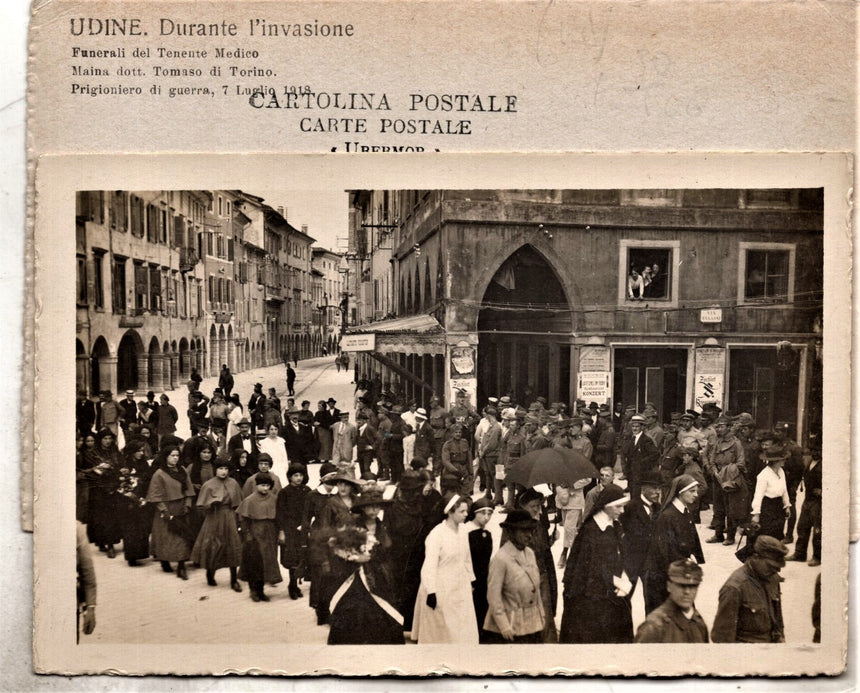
82, 372
107, 373
156, 374
174, 371
143, 372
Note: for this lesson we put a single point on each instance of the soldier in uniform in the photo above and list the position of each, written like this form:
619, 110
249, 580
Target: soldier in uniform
437, 420
750, 602
676, 620
456, 465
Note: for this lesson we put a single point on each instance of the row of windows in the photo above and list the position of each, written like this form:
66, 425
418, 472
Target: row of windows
648, 271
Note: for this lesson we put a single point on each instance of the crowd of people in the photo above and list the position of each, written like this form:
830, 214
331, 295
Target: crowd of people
394, 539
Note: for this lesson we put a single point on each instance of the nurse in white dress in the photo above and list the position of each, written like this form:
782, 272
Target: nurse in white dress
444, 612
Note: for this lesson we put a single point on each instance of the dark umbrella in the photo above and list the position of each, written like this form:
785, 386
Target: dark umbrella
550, 466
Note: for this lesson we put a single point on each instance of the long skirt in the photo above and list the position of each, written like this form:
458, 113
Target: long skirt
105, 510
325, 438
357, 618
218, 544
165, 545
588, 619
136, 526
772, 518
260, 559
292, 552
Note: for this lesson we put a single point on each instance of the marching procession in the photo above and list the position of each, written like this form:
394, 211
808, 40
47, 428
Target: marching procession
398, 539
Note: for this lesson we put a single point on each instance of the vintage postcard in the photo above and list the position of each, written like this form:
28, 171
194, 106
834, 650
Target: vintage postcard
297, 222
476, 334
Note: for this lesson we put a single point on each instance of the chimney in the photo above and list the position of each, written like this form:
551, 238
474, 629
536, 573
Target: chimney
305, 229
282, 211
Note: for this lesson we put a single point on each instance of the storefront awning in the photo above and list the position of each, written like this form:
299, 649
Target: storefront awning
416, 334
414, 324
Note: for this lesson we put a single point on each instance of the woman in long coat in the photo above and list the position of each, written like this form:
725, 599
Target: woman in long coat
172, 493
290, 514
104, 528
444, 612
336, 513
408, 521
323, 421
311, 527
481, 549
218, 544
136, 514
674, 538
596, 608
260, 536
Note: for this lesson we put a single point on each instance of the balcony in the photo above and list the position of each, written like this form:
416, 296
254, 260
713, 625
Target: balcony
188, 258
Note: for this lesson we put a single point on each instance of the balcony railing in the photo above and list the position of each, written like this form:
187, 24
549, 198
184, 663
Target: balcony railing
188, 258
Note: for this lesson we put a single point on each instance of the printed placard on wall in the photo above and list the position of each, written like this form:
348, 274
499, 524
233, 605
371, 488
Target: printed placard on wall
710, 375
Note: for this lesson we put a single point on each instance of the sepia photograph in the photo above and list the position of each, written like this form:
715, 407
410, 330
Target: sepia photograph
483, 416
448, 418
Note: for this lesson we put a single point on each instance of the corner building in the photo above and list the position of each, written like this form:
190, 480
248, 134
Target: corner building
532, 292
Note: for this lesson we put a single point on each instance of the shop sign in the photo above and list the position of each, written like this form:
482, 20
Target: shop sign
358, 342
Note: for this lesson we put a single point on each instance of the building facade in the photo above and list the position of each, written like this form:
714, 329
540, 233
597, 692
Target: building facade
326, 266
168, 281
673, 297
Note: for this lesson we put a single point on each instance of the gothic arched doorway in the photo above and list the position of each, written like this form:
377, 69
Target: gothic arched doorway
524, 329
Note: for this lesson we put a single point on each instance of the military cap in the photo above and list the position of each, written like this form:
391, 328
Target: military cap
542, 400
770, 547
603, 413
711, 406
685, 572
744, 419
688, 416
491, 410
575, 421
723, 420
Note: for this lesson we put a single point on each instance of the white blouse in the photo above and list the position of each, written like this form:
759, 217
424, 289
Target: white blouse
770, 483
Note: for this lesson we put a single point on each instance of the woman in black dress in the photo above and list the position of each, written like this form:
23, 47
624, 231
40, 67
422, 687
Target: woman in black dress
674, 538
104, 504
136, 514
481, 548
290, 509
596, 594
336, 513
362, 612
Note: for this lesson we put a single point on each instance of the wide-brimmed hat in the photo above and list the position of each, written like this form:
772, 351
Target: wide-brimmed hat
638, 418
519, 519
744, 419
244, 421
775, 455
369, 498
346, 476
331, 400
410, 480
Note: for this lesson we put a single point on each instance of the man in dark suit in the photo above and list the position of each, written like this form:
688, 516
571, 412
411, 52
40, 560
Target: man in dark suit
423, 447
367, 443
244, 440
639, 454
638, 521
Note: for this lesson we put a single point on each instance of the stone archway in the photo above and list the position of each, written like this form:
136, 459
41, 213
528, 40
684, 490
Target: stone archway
102, 367
524, 327
131, 364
